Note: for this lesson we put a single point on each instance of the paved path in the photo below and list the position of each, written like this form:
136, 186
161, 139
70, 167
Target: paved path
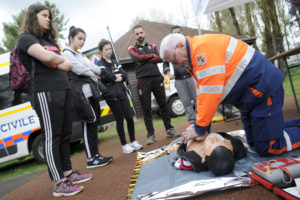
111, 182
10, 185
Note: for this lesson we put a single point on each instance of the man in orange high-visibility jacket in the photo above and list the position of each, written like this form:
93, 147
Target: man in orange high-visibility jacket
227, 70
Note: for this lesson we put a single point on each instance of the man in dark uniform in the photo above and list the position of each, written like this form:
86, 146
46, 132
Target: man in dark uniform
184, 84
149, 79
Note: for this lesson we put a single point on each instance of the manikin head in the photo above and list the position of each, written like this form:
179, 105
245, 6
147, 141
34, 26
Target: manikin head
216, 151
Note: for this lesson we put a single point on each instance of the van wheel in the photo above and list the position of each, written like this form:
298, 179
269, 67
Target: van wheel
176, 107
38, 148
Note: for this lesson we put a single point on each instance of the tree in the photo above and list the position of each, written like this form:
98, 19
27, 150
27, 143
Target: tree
292, 22
11, 29
293, 12
2, 50
218, 22
268, 45
277, 34
251, 27
273, 38
284, 18
235, 21
264, 19
226, 21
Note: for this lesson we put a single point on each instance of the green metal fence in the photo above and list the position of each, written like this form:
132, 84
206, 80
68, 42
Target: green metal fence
285, 56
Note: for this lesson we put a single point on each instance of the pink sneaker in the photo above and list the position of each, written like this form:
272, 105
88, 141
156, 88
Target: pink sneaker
75, 177
66, 188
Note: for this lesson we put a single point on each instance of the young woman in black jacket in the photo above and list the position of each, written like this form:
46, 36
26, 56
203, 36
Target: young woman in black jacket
113, 77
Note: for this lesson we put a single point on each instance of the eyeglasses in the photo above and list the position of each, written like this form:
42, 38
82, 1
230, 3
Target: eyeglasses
174, 62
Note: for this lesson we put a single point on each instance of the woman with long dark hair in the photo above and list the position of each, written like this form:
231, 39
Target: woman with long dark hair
86, 97
50, 96
113, 76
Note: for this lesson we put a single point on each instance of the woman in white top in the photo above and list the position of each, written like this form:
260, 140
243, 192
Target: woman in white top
86, 96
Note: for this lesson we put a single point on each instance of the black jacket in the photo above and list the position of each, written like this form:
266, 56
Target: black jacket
117, 90
146, 58
83, 110
179, 72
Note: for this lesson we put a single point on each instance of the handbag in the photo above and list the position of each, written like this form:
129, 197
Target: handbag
82, 106
106, 93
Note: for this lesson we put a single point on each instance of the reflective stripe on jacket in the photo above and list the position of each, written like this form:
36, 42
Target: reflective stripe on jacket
218, 62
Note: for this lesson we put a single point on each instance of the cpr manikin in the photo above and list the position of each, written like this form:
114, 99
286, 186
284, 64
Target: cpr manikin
217, 153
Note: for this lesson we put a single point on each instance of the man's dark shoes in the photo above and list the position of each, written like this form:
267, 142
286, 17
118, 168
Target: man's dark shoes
98, 162
172, 133
110, 158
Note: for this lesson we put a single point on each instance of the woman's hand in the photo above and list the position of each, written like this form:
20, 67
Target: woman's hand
66, 65
92, 69
118, 78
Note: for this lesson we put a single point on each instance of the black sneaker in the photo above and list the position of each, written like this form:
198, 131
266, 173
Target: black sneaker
97, 162
172, 133
110, 158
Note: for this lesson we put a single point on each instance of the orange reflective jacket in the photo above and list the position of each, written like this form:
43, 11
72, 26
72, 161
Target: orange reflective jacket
217, 63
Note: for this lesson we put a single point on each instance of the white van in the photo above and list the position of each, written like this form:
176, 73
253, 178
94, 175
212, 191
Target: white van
20, 130
174, 103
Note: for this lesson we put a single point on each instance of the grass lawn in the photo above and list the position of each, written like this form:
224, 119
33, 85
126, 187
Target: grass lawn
296, 82
29, 164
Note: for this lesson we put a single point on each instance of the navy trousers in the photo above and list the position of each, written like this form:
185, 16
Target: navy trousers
266, 129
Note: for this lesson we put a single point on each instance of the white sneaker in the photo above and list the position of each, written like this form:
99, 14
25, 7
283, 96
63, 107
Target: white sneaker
127, 148
136, 145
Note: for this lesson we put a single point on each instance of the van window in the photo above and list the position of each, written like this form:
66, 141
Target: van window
9, 97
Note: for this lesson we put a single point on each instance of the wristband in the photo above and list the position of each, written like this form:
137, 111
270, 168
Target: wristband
55, 66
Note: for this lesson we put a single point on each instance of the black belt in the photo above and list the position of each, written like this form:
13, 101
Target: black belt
183, 77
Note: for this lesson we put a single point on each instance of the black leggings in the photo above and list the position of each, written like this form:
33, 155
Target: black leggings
120, 109
90, 131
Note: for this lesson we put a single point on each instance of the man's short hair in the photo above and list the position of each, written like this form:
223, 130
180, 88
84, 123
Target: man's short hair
136, 27
175, 27
221, 161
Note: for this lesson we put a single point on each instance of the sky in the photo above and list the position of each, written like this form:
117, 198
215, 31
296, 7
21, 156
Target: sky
94, 16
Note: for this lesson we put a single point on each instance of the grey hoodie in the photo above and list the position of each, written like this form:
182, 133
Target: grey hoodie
80, 67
